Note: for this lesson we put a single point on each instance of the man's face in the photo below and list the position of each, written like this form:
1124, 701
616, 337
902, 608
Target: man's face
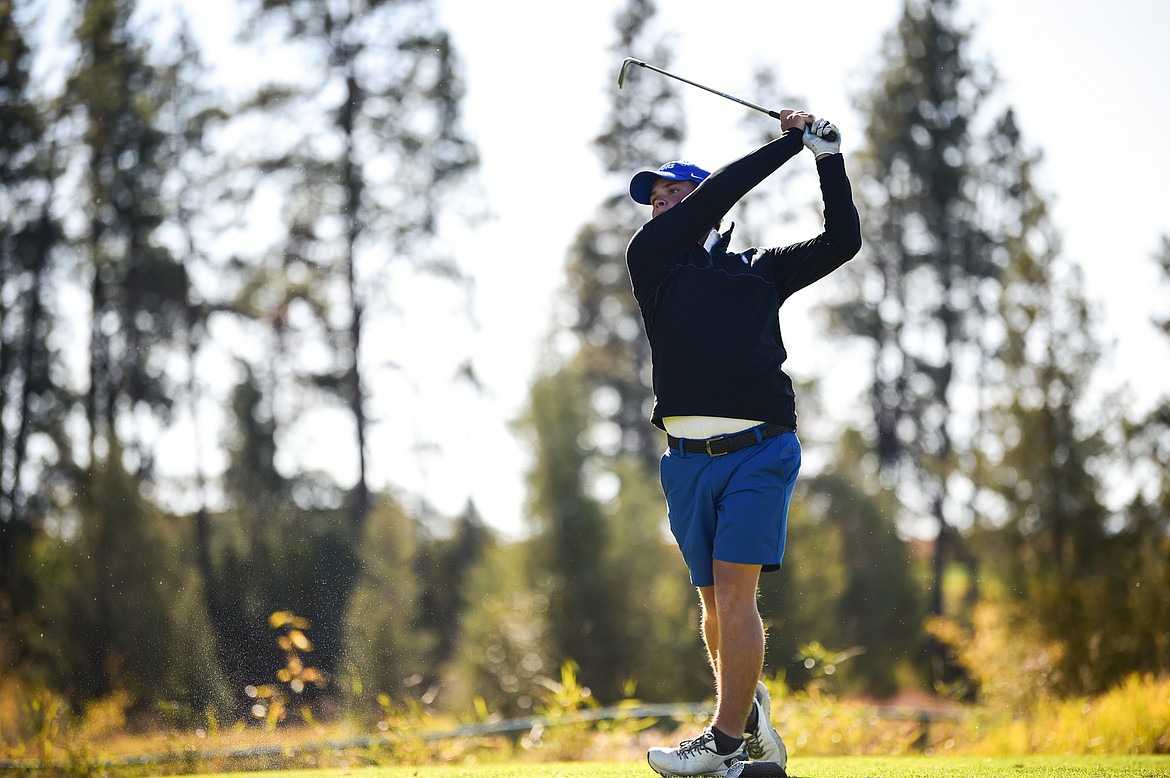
665, 194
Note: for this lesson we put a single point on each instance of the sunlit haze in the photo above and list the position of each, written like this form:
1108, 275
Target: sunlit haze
1086, 79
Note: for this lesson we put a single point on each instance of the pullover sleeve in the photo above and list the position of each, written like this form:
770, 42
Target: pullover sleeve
664, 242
795, 267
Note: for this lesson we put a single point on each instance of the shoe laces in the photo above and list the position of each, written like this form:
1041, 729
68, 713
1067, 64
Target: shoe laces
753, 738
693, 747
754, 744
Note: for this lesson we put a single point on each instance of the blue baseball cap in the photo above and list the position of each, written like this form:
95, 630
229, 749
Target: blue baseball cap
679, 170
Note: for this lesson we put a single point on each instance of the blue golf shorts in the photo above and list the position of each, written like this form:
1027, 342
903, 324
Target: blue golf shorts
732, 507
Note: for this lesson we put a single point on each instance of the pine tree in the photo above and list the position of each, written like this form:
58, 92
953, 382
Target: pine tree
30, 402
1143, 537
919, 291
386, 91
598, 550
643, 128
1043, 434
364, 149
138, 289
137, 294
570, 534
442, 563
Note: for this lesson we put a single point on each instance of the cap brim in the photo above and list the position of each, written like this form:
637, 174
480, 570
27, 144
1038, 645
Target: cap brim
641, 184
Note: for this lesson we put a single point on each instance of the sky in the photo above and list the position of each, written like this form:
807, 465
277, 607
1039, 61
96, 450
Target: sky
1087, 81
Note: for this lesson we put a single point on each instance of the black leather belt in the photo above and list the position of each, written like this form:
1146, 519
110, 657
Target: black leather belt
725, 444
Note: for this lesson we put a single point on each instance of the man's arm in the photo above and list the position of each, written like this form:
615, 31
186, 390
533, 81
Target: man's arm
800, 264
663, 242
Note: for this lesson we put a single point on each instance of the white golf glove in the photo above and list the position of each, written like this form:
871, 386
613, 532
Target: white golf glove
815, 141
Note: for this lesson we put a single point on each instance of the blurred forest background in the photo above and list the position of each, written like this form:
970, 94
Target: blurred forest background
280, 584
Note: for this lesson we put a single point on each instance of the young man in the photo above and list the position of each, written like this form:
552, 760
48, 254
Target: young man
712, 318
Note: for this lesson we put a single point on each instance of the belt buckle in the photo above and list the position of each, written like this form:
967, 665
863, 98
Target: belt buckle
707, 444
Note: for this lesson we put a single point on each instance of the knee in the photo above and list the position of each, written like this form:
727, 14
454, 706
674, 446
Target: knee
738, 609
735, 587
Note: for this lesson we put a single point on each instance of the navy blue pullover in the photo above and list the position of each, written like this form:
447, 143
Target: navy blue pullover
713, 318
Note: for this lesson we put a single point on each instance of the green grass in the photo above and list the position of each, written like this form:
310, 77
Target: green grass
811, 767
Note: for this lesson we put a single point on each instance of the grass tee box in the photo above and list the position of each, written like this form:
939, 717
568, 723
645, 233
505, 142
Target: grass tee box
812, 767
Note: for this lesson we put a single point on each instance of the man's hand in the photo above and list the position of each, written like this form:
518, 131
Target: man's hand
816, 142
790, 119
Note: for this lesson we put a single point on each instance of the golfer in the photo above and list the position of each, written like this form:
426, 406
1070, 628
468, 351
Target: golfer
728, 408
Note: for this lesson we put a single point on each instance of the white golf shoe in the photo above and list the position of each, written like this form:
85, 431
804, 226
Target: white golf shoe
694, 757
763, 743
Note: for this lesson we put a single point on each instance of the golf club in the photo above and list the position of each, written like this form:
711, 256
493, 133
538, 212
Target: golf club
756, 770
631, 61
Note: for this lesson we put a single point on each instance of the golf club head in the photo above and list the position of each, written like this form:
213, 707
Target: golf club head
756, 770
625, 66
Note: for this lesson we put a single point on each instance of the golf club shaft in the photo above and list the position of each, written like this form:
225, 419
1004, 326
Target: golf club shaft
631, 61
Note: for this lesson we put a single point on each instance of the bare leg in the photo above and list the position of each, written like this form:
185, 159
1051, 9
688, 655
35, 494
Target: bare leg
734, 635
710, 626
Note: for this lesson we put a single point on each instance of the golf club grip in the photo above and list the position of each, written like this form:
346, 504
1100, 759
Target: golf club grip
832, 136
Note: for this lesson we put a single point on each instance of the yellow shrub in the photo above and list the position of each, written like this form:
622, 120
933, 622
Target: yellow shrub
1133, 718
1012, 663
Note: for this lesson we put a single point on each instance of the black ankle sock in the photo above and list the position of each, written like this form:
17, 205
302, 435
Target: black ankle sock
725, 743
752, 720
